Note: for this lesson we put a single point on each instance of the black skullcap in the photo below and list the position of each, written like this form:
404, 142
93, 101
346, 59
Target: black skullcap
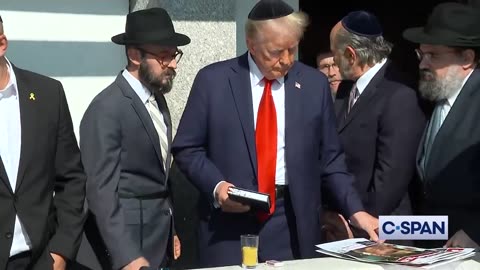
270, 9
362, 23
1, 21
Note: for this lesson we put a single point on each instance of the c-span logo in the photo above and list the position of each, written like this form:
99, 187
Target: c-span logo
413, 227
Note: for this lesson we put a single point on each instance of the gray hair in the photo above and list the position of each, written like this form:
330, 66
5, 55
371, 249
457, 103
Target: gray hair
370, 50
295, 23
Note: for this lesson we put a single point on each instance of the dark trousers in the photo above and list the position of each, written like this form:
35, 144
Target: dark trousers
220, 240
278, 235
20, 261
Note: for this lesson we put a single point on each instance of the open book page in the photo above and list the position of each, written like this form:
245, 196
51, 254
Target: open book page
368, 251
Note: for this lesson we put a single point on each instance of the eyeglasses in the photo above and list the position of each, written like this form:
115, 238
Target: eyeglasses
164, 60
328, 66
430, 55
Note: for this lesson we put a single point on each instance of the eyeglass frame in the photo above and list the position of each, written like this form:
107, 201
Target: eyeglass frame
328, 67
429, 55
160, 59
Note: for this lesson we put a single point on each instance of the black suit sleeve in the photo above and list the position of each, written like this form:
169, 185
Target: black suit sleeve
400, 130
337, 181
69, 186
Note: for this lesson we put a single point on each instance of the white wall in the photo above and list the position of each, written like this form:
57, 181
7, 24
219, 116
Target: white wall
68, 40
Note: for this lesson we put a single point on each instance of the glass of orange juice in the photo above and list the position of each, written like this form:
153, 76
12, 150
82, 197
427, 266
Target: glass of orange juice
249, 244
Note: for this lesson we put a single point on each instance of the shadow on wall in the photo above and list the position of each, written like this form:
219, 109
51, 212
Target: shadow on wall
99, 7
68, 59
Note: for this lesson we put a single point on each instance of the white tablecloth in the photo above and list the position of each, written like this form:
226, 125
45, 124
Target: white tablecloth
340, 264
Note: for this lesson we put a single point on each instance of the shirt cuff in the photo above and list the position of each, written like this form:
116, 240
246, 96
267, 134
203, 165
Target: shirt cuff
215, 201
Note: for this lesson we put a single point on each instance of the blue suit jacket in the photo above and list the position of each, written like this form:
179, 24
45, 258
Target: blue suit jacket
215, 141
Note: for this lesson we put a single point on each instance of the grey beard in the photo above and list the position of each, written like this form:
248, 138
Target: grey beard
158, 85
439, 89
345, 70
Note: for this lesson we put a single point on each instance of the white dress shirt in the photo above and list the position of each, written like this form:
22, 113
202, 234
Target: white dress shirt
142, 92
365, 79
278, 94
10, 145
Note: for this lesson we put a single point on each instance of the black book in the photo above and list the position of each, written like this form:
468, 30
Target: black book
255, 199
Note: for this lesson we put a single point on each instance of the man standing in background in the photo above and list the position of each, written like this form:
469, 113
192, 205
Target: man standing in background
327, 66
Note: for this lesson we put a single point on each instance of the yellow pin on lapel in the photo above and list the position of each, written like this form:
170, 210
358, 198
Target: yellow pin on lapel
32, 96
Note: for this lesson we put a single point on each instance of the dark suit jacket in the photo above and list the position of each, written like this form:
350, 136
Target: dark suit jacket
122, 157
49, 164
215, 141
451, 183
380, 137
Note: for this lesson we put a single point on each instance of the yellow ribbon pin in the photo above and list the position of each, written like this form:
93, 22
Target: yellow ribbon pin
32, 96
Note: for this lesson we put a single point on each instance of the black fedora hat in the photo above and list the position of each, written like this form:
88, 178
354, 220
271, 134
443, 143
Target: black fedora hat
450, 24
150, 26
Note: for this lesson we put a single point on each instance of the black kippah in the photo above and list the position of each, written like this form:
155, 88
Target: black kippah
1, 19
362, 23
270, 9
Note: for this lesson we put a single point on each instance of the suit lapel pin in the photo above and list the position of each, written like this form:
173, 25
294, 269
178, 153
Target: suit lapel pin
298, 85
32, 96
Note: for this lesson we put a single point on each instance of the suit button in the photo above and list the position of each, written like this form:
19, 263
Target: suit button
8, 235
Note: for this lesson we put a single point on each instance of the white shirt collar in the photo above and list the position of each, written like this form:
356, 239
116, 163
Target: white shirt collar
365, 79
11, 88
142, 92
451, 100
256, 75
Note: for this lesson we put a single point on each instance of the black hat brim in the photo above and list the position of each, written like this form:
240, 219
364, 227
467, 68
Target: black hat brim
438, 37
176, 39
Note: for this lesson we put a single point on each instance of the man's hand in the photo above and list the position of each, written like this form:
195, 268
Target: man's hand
59, 262
461, 239
136, 264
227, 205
366, 222
177, 248
335, 227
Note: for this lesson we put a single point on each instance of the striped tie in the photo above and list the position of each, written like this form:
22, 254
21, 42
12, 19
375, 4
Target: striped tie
354, 93
160, 126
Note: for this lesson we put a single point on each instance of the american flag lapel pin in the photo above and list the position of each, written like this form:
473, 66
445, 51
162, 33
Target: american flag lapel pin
298, 85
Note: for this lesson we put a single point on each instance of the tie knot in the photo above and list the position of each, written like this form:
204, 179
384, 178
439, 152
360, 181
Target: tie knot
442, 102
268, 82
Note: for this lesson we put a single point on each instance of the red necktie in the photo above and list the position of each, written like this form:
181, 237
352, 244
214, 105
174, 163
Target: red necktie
266, 143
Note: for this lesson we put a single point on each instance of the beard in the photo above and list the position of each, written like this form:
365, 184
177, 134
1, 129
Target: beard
157, 84
345, 69
433, 88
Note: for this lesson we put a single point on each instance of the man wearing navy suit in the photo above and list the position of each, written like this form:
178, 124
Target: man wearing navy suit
263, 121
380, 120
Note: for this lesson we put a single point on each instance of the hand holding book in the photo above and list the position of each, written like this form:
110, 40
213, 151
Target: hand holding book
254, 199
225, 203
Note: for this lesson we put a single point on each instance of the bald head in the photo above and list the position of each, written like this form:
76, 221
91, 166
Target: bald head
333, 34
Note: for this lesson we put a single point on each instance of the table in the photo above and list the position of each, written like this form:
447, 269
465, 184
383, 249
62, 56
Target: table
341, 264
